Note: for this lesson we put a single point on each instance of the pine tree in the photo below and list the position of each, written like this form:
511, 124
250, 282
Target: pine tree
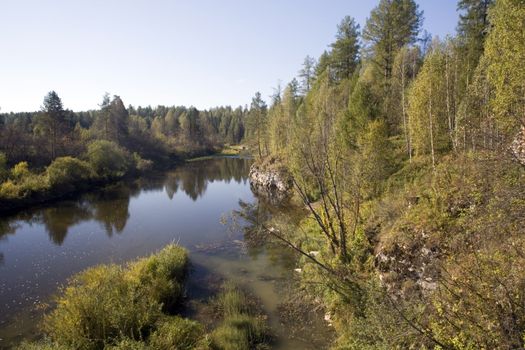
472, 28
391, 25
345, 49
52, 122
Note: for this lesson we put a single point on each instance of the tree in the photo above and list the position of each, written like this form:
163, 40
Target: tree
108, 159
391, 25
472, 29
307, 74
345, 50
51, 123
119, 118
258, 123
505, 54
323, 64
112, 121
427, 109
406, 65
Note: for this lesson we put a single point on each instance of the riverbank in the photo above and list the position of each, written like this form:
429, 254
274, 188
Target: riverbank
69, 177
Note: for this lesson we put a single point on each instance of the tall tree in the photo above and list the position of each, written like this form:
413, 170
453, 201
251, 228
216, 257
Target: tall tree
345, 49
112, 120
472, 29
51, 123
406, 65
258, 123
391, 25
307, 74
427, 105
505, 56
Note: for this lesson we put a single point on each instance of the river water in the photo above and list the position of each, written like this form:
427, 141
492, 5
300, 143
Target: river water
192, 206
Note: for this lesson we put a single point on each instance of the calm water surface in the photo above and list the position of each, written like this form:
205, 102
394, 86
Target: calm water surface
41, 248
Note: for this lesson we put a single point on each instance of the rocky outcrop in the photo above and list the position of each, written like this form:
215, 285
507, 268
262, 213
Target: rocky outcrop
269, 178
408, 269
518, 146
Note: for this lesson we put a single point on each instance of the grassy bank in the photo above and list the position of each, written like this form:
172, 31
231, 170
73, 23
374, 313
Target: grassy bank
103, 163
134, 307
124, 307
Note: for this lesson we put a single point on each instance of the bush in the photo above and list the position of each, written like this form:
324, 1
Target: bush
108, 159
178, 333
142, 164
20, 170
103, 304
161, 274
68, 171
9, 190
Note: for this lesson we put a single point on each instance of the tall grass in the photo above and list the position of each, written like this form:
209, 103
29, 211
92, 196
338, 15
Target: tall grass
241, 328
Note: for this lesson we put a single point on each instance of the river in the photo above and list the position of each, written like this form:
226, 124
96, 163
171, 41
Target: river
191, 205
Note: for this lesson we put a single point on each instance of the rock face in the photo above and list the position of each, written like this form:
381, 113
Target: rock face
408, 269
518, 146
271, 180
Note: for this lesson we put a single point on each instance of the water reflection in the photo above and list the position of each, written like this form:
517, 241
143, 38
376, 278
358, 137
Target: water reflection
110, 207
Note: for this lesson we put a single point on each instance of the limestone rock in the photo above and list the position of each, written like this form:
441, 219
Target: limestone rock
518, 146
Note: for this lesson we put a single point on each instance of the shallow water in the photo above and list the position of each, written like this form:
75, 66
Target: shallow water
191, 205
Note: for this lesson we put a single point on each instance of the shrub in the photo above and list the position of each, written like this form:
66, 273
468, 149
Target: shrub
142, 164
161, 274
178, 333
20, 170
67, 171
103, 304
9, 190
108, 159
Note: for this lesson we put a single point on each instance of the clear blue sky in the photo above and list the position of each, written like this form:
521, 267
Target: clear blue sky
195, 52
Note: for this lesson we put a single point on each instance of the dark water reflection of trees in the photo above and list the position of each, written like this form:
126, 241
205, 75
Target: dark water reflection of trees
110, 206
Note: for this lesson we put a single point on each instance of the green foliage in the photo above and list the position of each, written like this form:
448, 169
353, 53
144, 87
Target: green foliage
68, 171
108, 159
391, 25
142, 164
178, 333
473, 27
20, 171
505, 54
22, 183
240, 329
427, 106
105, 303
345, 50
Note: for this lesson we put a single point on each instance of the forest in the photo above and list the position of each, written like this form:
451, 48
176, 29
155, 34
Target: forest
407, 152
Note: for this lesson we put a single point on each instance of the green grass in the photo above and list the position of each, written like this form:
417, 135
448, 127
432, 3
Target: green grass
241, 327
121, 306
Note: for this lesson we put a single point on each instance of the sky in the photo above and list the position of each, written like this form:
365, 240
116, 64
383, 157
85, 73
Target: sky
201, 53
